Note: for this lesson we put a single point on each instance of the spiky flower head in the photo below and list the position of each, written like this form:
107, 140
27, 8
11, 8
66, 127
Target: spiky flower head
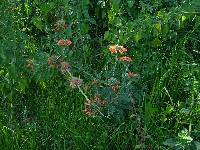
114, 49
132, 74
64, 43
75, 82
65, 67
125, 59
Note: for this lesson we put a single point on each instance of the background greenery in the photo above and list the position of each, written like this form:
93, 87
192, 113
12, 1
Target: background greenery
38, 108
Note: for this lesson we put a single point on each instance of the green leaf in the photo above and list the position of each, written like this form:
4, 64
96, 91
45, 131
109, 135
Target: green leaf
115, 4
156, 42
169, 110
107, 36
149, 109
37, 21
46, 8
130, 3
22, 85
84, 28
36, 2
158, 26
111, 16
138, 37
85, 2
165, 29
192, 7
130, 26
183, 18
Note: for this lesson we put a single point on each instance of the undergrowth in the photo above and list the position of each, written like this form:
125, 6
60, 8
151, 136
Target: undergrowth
107, 74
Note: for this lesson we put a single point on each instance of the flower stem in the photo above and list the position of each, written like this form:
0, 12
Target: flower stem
87, 99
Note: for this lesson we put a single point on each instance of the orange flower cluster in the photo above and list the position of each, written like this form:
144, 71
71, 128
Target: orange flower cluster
88, 111
115, 88
95, 101
122, 50
125, 59
75, 82
132, 75
114, 49
64, 43
65, 67
55, 62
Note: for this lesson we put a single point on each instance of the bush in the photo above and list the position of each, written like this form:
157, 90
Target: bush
72, 70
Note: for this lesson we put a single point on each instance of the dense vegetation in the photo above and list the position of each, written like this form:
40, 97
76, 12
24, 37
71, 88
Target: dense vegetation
99, 74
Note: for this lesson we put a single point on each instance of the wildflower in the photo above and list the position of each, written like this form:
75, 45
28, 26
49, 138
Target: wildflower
64, 43
132, 75
65, 67
125, 59
115, 88
113, 49
75, 82
122, 50
88, 110
99, 101
61, 42
68, 42
54, 61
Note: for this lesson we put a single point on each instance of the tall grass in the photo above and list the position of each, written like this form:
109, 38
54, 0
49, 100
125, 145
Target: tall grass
39, 110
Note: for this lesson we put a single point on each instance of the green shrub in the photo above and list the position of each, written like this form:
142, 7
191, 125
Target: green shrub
71, 70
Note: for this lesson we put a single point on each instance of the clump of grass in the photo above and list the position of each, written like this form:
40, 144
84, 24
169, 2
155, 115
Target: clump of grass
141, 93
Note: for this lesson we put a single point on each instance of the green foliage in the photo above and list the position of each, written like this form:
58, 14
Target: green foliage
125, 71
